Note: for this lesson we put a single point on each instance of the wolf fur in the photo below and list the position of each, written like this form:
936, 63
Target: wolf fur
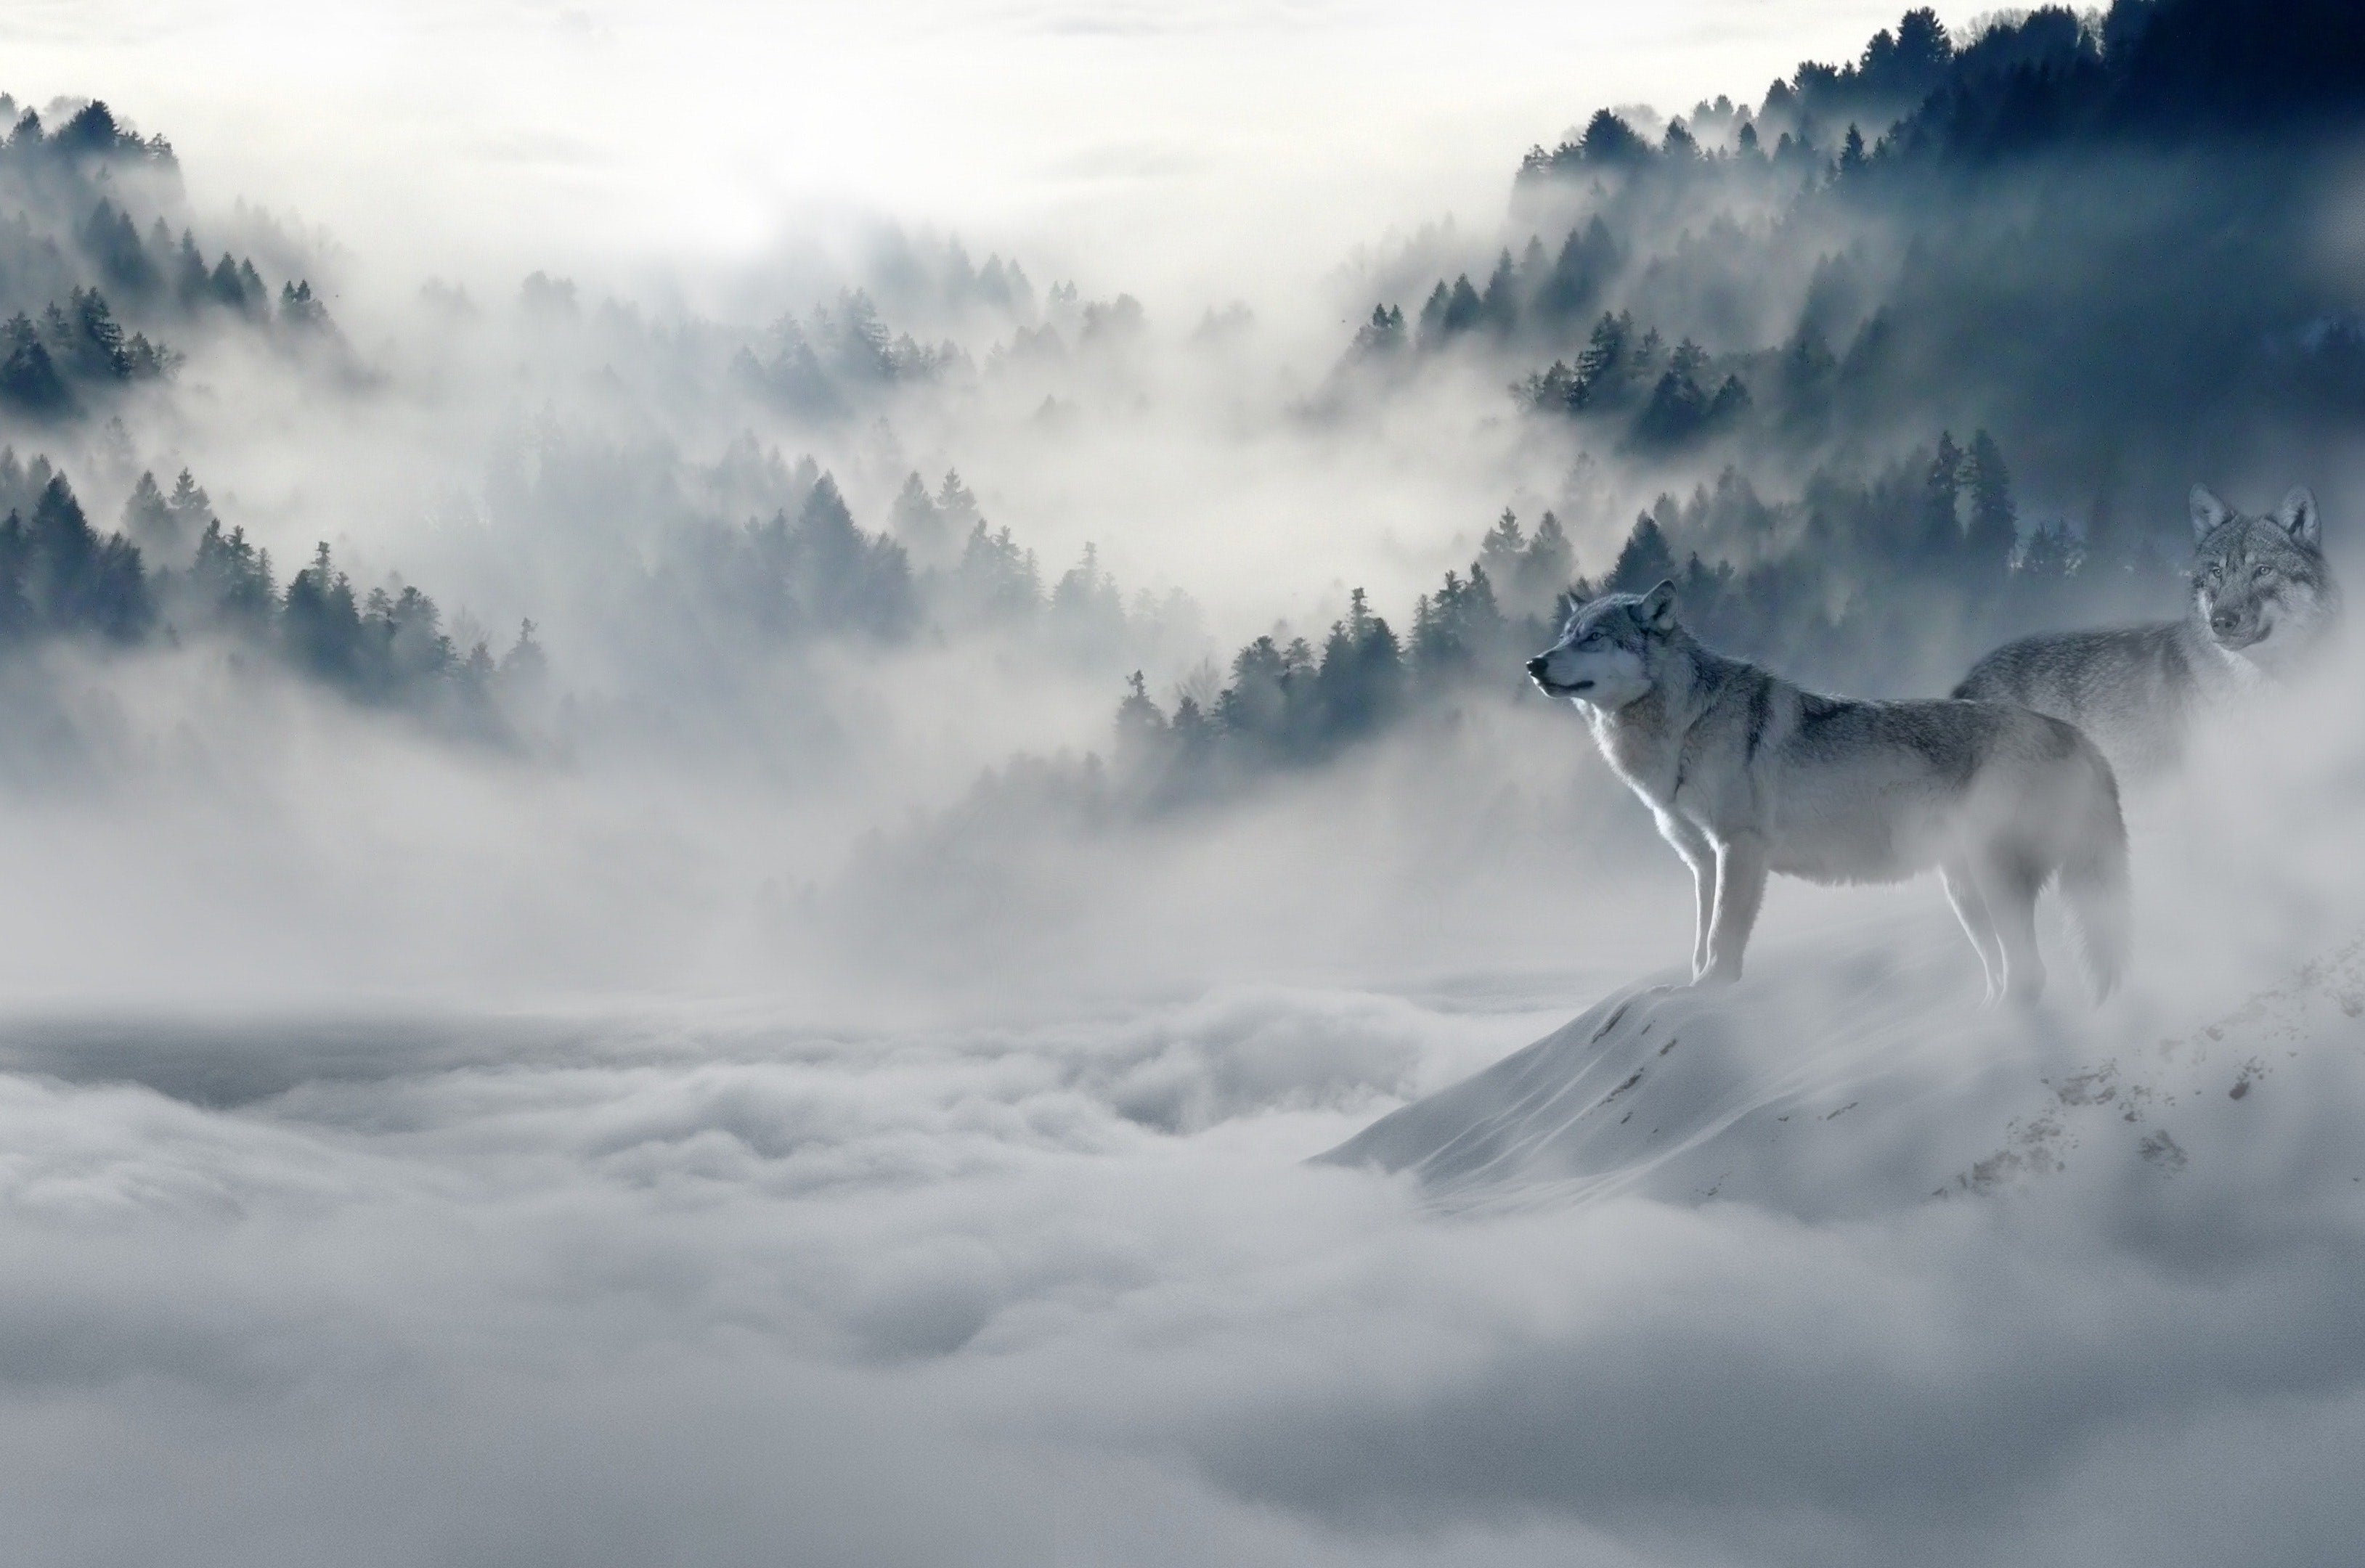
2262, 600
1747, 775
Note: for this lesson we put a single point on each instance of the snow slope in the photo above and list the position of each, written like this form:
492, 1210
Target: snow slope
1854, 1075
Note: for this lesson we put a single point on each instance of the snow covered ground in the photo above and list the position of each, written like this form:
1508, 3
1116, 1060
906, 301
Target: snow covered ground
1856, 1080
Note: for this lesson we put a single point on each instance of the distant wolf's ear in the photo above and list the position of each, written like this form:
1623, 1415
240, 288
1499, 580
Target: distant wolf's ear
2299, 520
1659, 607
2208, 511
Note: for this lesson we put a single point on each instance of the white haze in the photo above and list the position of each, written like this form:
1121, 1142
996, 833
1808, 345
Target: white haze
697, 1142
1168, 148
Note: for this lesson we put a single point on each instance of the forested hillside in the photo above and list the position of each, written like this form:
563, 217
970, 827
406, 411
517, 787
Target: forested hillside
1903, 355
1925, 348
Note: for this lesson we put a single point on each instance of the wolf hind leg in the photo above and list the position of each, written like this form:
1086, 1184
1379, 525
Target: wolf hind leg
2007, 882
1963, 893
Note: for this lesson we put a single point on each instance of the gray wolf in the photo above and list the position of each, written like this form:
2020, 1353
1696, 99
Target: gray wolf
2262, 599
1748, 774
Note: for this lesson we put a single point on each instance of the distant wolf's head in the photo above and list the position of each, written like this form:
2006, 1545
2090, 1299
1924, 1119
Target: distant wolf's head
2259, 584
1608, 654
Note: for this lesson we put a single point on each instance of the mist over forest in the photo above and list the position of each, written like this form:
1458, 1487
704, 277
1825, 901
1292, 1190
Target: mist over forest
705, 909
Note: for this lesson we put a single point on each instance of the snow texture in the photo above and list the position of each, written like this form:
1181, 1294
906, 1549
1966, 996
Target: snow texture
1852, 1082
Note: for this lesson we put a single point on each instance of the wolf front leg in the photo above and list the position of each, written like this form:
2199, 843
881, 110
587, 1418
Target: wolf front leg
1740, 889
1699, 854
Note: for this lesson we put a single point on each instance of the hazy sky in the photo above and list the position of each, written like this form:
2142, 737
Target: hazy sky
1165, 141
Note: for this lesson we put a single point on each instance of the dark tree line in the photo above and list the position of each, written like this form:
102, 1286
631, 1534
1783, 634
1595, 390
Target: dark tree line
756, 556
161, 272
2139, 72
58, 577
1289, 703
820, 573
826, 364
818, 366
2089, 234
174, 570
810, 571
78, 346
941, 274
805, 572
83, 284
1892, 585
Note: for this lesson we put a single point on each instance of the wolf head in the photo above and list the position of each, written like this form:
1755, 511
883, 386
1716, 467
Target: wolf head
1608, 654
2261, 586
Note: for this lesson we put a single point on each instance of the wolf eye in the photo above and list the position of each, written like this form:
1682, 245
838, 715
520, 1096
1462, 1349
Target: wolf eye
2258, 574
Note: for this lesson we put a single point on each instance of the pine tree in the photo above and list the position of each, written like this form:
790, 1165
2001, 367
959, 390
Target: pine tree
227, 284
1504, 547
1499, 306
189, 281
526, 666
149, 521
80, 583
1645, 561
1943, 535
1383, 335
955, 503
1548, 567
1599, 363
87, 339
191, 509
1852, 151
1994, 530
1432, 316
299, 309
1256, 704
1140, 727
320, 621
231, 579
1360, 679
918, 522
1679, 404
997, 580
1463, 308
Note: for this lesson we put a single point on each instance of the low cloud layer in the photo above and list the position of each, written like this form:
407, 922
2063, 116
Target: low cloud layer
697, 1285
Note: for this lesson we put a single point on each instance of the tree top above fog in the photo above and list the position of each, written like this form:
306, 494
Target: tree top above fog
2145, 72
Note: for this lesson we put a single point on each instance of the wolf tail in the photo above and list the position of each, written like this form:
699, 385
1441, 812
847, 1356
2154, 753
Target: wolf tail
2095, 879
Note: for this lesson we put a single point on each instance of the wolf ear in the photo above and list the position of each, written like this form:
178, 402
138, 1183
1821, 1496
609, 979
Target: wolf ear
1658, 607
2208, 511
2299, 520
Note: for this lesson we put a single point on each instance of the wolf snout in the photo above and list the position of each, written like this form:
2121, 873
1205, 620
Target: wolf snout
2224, 620
1536, 664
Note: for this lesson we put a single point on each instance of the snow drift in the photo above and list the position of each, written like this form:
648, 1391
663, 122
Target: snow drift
1853, 1076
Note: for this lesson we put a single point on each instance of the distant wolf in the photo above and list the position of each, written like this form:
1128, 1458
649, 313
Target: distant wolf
2262, 599
1748, 774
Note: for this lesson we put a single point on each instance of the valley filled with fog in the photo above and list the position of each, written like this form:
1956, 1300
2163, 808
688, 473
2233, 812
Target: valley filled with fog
700, 851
